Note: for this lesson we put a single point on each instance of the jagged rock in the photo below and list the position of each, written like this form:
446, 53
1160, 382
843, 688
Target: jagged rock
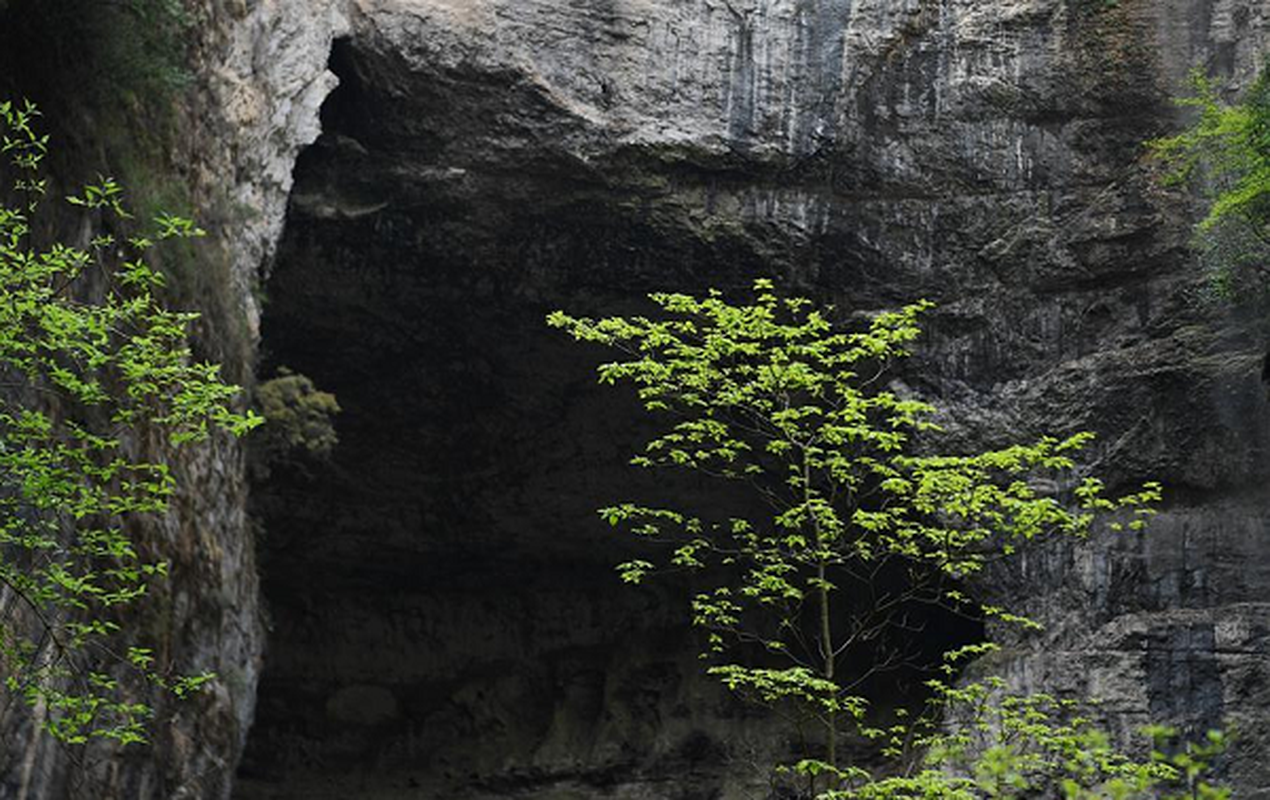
444, 620
484, 162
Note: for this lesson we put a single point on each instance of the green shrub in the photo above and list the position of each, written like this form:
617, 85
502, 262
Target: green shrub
300, 418
1225, 153
91, 366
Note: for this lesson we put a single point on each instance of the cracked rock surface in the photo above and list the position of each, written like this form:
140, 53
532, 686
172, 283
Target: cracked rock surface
443, 620
444, 616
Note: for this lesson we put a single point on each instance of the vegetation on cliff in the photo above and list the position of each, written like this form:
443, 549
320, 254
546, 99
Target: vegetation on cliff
97, 375
844, 531
1225, 152
300, 422
128, 51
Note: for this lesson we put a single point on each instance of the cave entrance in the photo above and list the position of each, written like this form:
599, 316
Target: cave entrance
444, 614
443, 608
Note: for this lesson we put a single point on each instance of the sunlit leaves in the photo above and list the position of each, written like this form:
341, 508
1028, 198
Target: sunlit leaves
1226, 153
798, 409
776, 394
1229, 145
995, 744
91, 363
773, 685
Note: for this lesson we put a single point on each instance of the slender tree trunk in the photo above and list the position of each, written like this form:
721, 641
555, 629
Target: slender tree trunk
826, 628
826, 638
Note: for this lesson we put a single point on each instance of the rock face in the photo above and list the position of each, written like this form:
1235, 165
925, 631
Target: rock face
443, 615
261, 76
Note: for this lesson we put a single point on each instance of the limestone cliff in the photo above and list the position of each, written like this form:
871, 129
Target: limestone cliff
259, 75
443, 618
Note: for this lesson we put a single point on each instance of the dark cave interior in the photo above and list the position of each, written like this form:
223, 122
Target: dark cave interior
442, 598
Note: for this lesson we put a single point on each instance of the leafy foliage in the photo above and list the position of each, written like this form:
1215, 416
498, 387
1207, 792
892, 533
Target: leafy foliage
90, 365
129, 50
300, 419
1226, 151
978, 740
859, 523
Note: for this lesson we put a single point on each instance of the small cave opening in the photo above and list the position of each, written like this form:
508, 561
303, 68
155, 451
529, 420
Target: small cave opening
444, 615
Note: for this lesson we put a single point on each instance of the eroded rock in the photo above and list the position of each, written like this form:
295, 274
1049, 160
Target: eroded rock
485, 162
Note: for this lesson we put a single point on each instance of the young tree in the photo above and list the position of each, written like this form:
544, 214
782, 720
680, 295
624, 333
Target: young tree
94, 373
860, 528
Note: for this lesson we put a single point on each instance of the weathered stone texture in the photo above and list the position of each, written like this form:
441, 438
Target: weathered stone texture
484, 162
261, 77
444, 620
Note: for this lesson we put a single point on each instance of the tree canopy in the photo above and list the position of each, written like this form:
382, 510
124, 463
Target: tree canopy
847, 521
1226, 153
95, 373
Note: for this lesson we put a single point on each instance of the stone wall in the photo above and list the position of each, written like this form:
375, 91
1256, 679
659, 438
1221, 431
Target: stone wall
443, 617
443, 611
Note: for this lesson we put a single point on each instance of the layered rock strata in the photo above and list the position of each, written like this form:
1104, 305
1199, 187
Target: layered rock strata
259, 78
444, 620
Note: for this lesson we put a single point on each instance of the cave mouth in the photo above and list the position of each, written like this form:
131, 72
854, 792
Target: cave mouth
443, 610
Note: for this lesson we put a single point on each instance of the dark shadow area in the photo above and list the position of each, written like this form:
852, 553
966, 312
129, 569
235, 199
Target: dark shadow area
445, 614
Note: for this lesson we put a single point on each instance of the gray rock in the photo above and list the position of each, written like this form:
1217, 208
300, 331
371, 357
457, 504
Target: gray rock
485, 162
